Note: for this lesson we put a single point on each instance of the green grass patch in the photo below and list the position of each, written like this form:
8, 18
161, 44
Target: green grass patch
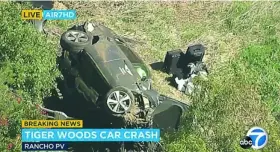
262, 63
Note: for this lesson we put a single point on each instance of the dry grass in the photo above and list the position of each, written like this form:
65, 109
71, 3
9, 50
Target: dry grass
59, 5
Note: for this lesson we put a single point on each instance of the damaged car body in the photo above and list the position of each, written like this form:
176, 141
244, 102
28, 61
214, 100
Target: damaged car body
110, 76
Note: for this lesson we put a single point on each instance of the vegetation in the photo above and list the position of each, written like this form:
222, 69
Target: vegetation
243, 53
27, 73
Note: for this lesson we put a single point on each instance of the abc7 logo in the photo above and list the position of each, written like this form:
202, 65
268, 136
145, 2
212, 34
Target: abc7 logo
256, 138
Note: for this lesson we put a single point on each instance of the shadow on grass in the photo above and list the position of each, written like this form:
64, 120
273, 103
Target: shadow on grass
158, 66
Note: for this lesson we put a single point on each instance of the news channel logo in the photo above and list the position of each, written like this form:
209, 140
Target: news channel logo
38, 14
255, 138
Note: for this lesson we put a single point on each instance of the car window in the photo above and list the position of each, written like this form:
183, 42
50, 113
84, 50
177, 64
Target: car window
133, 57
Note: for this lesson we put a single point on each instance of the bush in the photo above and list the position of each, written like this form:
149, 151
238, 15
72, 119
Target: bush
14, 107
27, 73
26, 55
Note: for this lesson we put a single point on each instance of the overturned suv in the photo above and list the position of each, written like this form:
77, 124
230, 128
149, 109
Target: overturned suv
100, 65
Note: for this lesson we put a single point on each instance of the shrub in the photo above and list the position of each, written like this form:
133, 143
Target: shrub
27, 56
27, 73
14, 107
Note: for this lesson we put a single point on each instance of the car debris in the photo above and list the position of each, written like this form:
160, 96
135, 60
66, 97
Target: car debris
184, 67
53, 114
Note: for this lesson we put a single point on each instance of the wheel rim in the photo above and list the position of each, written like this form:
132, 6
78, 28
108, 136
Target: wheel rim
77, 37
119, 102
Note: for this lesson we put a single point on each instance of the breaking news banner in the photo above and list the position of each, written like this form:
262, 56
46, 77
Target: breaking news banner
52, 123
37, 146
90, 135
38, 14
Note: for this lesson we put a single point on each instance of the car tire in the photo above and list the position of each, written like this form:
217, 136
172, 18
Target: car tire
74, 40
119, 101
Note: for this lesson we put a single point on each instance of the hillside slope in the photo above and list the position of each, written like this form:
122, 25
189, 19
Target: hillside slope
243, 53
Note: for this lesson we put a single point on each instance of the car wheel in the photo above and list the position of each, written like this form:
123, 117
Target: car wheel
119, 101
74, 40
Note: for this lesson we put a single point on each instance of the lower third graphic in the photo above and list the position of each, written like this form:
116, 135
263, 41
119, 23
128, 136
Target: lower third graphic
256, 138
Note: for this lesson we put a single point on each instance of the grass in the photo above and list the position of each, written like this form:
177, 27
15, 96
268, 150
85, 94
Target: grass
242, 40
